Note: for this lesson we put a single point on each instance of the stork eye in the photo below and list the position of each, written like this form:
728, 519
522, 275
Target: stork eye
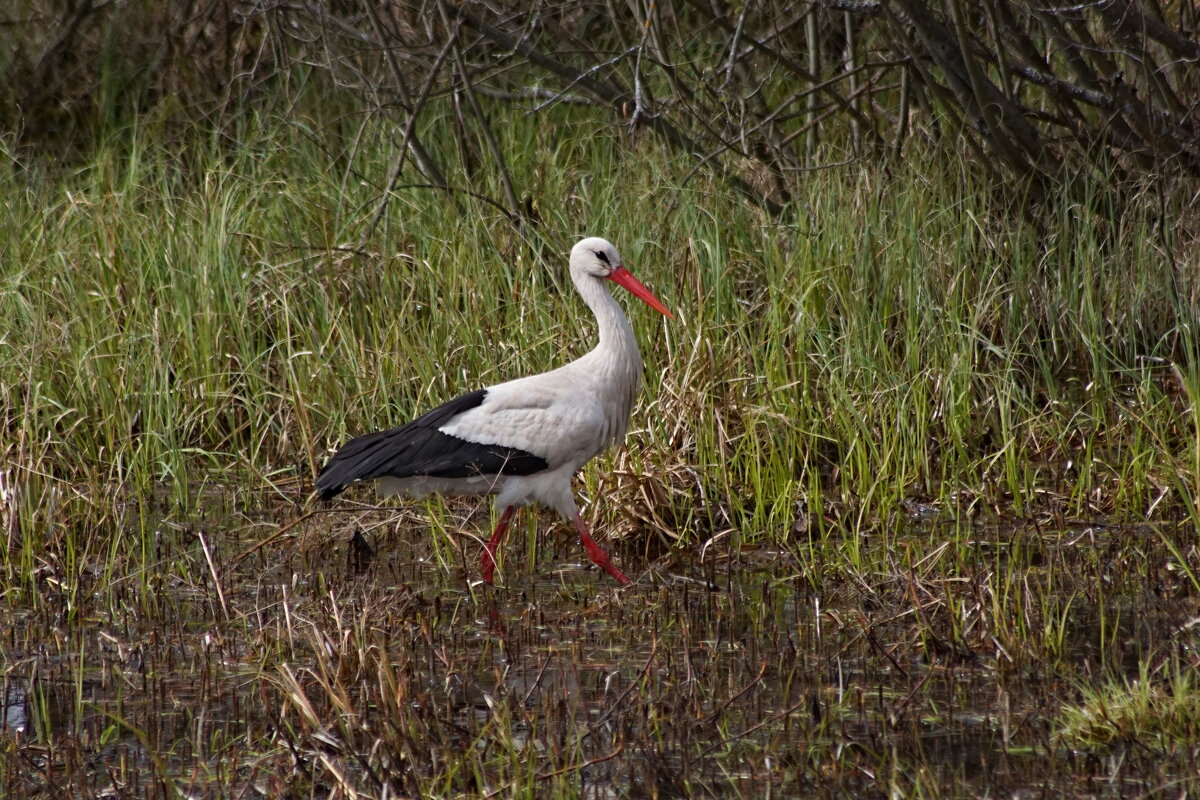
601, 255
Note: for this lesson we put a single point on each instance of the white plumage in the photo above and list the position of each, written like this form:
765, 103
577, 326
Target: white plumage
525, 439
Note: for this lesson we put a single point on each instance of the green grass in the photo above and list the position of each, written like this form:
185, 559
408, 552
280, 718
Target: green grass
198, 308
965, 446
1158, 710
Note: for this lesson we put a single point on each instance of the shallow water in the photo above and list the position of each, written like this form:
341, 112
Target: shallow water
311, 666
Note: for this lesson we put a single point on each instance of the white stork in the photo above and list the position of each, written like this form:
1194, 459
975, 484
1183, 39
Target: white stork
522, 440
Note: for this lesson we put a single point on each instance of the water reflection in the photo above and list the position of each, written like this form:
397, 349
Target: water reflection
15, 716
378, 660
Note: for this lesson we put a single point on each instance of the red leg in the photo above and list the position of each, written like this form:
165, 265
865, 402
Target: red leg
493, 544
596, 553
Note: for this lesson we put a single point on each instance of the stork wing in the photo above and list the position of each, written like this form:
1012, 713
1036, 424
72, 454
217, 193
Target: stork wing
426, 446
549, 415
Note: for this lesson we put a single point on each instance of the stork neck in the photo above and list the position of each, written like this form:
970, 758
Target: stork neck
614, 368
617, 342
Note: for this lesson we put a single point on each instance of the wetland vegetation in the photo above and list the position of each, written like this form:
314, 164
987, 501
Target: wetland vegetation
909, 499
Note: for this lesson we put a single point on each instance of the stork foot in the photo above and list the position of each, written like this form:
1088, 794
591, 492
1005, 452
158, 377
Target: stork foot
596, 552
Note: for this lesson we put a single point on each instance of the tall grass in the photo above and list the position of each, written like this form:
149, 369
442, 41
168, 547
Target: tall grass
186, 312
200, 309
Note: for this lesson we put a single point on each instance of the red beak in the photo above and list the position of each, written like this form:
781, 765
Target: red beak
624, 278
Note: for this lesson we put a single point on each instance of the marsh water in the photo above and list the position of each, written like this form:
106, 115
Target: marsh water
264, 650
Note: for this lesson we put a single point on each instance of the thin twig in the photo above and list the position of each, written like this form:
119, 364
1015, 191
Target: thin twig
510, 194
424, 160
618, 99
405, 142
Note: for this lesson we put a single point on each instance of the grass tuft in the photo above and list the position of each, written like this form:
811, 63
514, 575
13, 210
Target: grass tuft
1158, 710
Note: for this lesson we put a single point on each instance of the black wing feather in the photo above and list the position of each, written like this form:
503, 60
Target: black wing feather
419, 448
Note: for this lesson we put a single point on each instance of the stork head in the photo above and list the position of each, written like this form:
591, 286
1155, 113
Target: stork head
598, 258
595, 256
